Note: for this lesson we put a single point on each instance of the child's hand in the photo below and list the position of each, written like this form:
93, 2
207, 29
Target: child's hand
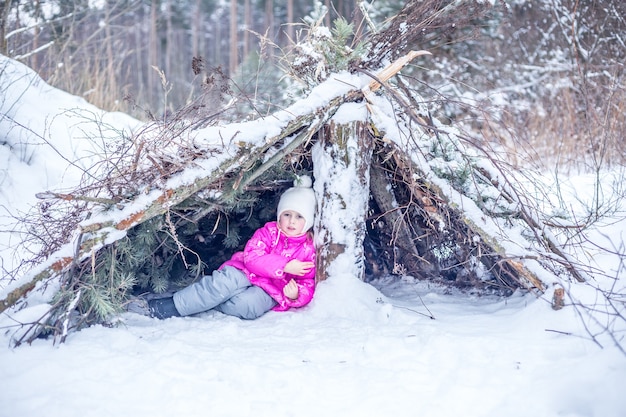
299, 268
291, 290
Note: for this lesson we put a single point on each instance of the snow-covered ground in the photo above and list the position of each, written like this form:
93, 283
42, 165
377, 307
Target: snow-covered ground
395, 348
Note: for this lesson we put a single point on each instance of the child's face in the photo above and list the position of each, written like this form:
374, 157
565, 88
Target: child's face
291, 223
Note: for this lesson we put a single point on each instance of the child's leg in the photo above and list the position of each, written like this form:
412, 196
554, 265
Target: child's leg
249, 304
210, 291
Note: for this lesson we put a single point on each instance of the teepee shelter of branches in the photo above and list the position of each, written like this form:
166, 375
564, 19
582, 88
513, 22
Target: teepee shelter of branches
398, 193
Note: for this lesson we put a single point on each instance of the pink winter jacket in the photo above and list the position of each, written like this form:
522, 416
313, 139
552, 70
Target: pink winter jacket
264, 258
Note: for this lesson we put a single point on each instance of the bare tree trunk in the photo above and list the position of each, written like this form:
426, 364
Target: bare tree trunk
269, 26
217, 39
247, 11
111, 86
195, 29
4, 23
34, 64
342, 182
233, 61
269, 17
290, 27
153, 53
139, 59
169, 39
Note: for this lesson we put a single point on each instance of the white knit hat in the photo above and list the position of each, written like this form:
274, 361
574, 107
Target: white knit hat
299, 198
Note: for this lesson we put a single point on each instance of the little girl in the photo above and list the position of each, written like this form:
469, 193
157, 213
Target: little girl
275, 271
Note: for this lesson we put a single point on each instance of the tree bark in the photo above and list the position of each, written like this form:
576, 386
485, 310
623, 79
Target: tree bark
4, 25
247, 13
153, 51
394, 218
291, 38
34, 61
169, 39
343, 155
111, 80
233, 59
196, 28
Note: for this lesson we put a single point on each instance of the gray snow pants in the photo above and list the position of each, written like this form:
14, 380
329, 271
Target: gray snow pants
227, 290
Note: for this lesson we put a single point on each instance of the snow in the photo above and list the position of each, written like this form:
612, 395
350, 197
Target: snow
390, 348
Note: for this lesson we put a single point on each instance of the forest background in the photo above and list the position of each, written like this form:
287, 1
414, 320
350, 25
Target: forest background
544, 79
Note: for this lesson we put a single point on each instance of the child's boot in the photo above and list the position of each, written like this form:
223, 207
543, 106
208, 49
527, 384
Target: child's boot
162, 308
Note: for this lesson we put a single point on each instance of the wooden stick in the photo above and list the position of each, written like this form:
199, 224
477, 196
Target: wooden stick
393, 69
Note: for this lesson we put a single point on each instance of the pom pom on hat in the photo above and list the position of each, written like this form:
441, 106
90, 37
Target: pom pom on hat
303, 181
299, 198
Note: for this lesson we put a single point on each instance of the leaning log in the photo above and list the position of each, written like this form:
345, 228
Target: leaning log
393, 214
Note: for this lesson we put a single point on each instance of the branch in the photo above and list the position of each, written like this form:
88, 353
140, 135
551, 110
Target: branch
70, 197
